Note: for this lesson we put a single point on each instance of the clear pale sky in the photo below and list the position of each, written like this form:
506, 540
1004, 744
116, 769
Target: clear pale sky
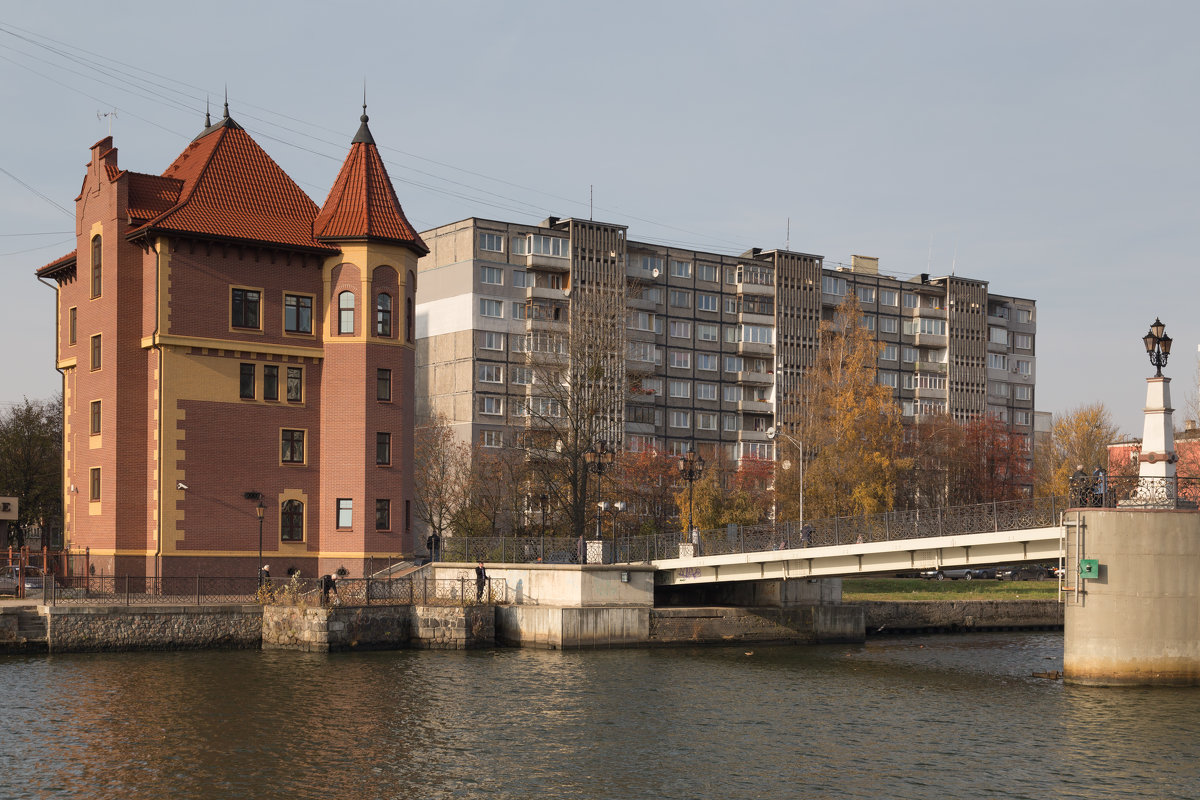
1049, 148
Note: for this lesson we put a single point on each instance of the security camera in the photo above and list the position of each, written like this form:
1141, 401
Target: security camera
181, 485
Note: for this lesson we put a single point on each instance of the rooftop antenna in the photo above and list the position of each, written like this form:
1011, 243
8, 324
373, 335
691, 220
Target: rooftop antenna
591, 196
787, 242
110, 115
954, 261
929, 263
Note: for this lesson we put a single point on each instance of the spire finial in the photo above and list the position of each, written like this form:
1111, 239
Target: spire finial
227, 101
207, 115
363, 118
364, 133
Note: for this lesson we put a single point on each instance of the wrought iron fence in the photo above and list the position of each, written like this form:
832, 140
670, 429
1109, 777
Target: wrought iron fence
133, 590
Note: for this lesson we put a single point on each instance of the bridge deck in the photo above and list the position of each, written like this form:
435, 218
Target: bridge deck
974, 549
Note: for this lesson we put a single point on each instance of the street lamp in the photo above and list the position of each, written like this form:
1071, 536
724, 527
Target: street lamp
598, 460
544, 501
1158, 346
691, 466
260, 509
772, 432
617, 508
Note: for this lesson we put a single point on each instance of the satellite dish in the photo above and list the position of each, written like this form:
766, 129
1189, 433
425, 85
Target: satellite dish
771, 432
654, 272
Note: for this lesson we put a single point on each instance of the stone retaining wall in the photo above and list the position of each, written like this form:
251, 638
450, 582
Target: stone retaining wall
110, 628
377, 628
882, 618
802, 624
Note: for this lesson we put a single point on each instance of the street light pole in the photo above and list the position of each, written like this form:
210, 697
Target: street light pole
598, 460
544, 500
772, 432
260, 509
691, 466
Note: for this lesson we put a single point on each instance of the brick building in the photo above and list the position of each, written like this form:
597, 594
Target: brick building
219, 335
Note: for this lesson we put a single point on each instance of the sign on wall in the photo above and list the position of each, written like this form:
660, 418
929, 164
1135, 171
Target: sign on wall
8, 508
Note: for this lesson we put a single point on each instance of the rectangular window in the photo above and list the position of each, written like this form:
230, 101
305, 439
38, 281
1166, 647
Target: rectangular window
345, 513
97, 265
383, 449
680, 329
641, 321
681, 269
492, 242
1023, 392
72, 327
888, 297
733, 364
1024, 367
490, 308
520, 278
652, 263
1020, 417
997, 361
888, 325
998, 335
911, 300
522, 376
998, 389
706, 361
270, 382
492, 341
383, 515
681, 389
245, 308
887, 379
681, 419
706, 391
1025, 315
731, 394
757, 334
707, 302
491, 405
890, 351
652, 386
866, 294
831, 284
729, 422
383, 385
520, 245
867, 322
1022, 341
550, 246
94, 489
518, 309
292, 447
491, 275
707, 272
295, 384
246, 382
297, 313
707, 332
95, 418
678, 298
491, 373
96, 352
908, 354
706, 421
680, 359
491, 438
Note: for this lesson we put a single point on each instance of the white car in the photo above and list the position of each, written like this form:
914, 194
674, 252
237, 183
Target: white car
9, 577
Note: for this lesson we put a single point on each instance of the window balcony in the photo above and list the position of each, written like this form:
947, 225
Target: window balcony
930, 366
545, 262
755, 407
748, 318
762, 378
755, 349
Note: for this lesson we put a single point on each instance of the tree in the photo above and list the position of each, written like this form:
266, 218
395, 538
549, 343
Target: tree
646, 481
995, 465
849, 424
1079, 439
728, 494
441, 469
31, 464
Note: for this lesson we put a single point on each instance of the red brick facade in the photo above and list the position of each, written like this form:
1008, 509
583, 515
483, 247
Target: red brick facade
224, 367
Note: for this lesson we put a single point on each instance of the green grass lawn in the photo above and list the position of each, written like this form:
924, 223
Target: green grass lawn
915, 590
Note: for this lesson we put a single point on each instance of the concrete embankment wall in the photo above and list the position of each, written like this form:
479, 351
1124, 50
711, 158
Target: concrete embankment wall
559, 628
377, 628
881, 618
110, 628
731, 625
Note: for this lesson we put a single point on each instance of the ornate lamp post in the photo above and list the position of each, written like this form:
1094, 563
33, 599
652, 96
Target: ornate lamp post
617, 508
772, 432
1158, 346
598, 460
260, 510
691, 467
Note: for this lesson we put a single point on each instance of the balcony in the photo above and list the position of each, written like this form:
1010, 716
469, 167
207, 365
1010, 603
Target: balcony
543, 293
753, 436
755, 407
545, 262
929, 339
755, 279
755, 349
751, 318
930, 366
763, 378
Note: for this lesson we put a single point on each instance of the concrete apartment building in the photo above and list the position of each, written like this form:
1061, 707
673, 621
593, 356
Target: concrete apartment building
714, 345
220, 334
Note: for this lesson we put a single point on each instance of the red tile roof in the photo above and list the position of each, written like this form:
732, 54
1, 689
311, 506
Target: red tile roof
58, 266
230, 188
151, 195
362, 203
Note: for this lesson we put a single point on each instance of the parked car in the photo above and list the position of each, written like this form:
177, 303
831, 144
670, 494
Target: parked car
9, 579
958, 573
1024, 572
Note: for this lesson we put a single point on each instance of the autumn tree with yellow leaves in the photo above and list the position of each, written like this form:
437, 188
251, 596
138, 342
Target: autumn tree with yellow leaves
850, 426
1078, 438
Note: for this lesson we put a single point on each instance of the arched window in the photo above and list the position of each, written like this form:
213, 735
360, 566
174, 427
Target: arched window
96, 265
291, 517
346, 312
408, 319
383, 315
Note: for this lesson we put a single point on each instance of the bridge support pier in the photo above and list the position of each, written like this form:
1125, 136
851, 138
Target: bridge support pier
1135, 623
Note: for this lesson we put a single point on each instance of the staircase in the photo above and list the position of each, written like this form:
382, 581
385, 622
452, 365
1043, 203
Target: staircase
23, 629
31, 627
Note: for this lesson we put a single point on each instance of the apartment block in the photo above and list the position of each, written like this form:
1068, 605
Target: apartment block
715, 346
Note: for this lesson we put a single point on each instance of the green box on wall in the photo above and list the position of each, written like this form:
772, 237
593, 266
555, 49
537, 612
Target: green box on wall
1089, 568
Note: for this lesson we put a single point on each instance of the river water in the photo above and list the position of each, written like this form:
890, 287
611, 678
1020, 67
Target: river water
916, 717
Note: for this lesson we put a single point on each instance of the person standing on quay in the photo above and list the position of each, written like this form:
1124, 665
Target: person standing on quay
480, 580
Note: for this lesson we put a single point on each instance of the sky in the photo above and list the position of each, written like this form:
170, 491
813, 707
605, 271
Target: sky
1049, 148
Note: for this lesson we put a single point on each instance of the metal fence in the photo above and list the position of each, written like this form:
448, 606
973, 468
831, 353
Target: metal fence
418, 589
